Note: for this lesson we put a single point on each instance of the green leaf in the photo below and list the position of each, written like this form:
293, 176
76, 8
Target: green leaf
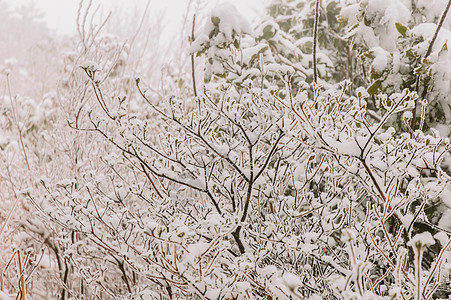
236, 43
214, 32
374, 88
401, 29
332, 8
444, 47
411, 54
332, 13
375, 75
268, 33
180, 83
308, 47
215, 21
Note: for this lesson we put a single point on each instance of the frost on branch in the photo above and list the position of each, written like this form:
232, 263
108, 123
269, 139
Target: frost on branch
266, 185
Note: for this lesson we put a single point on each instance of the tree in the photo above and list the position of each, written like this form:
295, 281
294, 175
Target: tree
292, 174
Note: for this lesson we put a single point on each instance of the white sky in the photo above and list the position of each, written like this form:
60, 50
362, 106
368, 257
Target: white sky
60, 15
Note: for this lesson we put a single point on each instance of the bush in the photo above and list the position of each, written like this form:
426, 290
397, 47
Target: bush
305, 167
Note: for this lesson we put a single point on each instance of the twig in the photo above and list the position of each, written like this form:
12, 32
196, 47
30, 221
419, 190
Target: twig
437, 263
22, 279
17, 122
151, 181
9, 215
439, 26
315, 41
193, 73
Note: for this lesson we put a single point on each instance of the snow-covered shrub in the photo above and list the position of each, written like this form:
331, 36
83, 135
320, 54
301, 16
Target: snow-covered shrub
271, 183
403, 44
41, 156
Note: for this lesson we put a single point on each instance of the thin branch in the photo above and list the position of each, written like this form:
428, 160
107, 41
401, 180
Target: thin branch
151, 181
193, 73
21, 276
271, 153
22, 145
193, 133
439, 26
315, 41
437, 263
